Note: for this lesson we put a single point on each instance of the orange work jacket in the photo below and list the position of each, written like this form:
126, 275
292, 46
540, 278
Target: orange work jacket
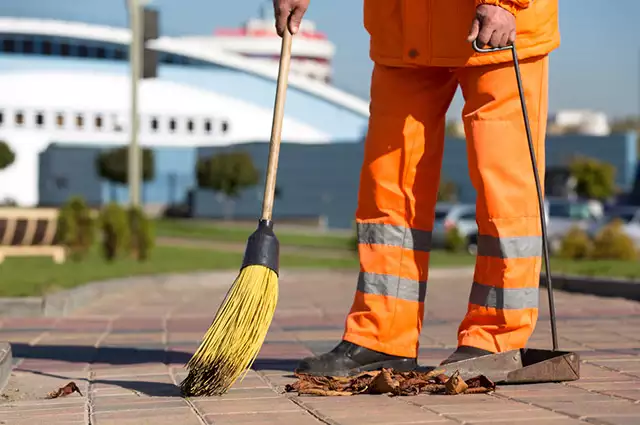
434, 32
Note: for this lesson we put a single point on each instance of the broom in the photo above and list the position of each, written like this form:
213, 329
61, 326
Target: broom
237, 333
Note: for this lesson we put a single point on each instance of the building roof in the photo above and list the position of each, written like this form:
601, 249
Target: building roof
183, 47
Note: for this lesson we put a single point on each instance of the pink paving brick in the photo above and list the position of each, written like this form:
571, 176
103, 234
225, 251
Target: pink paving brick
132, 384
28, 323
76, 324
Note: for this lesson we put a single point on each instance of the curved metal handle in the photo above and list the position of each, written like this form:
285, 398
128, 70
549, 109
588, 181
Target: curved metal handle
491, 49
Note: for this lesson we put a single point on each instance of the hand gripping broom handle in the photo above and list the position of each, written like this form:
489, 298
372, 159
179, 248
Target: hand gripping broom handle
545, 241
276, 128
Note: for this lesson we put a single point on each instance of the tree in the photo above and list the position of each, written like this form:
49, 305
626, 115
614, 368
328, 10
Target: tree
228, 173
7, 156
594, 179
113, 165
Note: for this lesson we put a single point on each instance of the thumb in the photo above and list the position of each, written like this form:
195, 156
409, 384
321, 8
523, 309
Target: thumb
475, 30
296, 19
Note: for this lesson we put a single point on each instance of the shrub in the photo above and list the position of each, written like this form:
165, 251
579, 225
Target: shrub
611, 243
576, 245
76, 228
454, 241
7, 156
141, 234
447, 191
115, 231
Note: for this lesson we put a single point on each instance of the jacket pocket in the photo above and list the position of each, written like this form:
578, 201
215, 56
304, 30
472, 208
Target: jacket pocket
383, 21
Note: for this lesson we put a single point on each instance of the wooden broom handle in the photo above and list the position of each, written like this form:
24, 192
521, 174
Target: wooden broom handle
276, 128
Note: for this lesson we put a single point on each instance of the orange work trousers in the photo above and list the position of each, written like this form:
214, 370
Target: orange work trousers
398, 191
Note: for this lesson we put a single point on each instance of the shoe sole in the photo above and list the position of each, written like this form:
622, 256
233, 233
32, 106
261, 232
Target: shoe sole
403, 365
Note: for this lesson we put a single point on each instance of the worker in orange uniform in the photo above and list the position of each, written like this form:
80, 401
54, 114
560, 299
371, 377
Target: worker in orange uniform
422, 52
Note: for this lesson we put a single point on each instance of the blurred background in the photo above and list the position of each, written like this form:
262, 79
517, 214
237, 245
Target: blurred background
202, 87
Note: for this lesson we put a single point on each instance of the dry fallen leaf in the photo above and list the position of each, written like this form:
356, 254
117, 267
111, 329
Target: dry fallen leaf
386, 381
456, 385
70, 388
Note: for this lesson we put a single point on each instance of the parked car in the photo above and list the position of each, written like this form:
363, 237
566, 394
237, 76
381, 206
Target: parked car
563, 214
630, 217
448, 216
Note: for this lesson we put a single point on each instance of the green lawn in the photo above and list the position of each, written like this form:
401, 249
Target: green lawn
36, 276
234, 233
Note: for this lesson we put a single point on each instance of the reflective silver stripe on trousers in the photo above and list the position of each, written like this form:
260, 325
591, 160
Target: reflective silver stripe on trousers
392, 235
513, 247
392, 286
503, 298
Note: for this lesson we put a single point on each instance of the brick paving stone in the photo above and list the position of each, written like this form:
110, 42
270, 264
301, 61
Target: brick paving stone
594, 409
127, 352
615, 420
263, 418
162, 416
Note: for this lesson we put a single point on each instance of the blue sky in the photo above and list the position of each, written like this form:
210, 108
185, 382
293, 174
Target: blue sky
597, 66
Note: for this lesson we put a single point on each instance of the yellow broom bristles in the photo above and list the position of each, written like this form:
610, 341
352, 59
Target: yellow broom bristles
236, 335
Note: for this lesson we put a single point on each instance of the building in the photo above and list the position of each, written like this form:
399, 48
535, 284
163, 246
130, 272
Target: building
585, 122
315, 180
64, 79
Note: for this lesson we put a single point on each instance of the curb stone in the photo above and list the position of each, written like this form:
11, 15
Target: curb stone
610, 287
61, 303
5, 364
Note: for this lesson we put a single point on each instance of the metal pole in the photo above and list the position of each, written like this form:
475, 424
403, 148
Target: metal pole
134, 160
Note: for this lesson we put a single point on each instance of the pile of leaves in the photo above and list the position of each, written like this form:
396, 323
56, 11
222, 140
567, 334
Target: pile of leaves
387, 381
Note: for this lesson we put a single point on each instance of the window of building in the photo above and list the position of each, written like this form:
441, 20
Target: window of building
47, 49
172, 125
154, 124
83, 51
225, 126
1, 117
65, 49
119, 54
207, 126
8, 45
117, 127
190, 126
28, 47
60, 119
39, 119
98, 121
79, 120
19, 118
101, 52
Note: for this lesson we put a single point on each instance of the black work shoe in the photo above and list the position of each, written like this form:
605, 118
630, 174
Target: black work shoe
465, 352
348, 359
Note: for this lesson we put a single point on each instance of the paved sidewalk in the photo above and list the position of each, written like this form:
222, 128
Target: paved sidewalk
127, 351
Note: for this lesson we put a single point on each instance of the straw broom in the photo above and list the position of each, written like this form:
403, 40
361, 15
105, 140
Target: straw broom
240, 326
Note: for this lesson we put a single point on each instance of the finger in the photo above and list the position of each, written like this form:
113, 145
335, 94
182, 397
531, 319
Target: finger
512, 37
484, 36
504, 39
473, 32
282, 16
296, 19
